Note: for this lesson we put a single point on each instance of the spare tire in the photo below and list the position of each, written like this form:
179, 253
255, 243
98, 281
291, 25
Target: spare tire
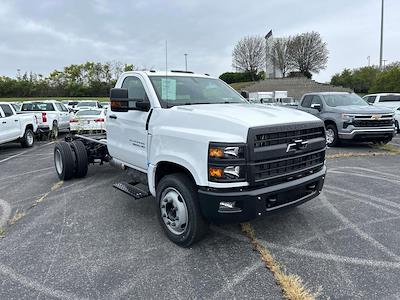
64, 160
81, 159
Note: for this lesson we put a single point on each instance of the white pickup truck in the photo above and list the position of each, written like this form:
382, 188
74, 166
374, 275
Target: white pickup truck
389, 100
203, 151
52, 115
16, 127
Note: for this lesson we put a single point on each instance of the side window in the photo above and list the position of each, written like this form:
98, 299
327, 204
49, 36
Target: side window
316, 100
307, 101
63, 108
59, 108
135, 88
1, 113
371, 99
7, 110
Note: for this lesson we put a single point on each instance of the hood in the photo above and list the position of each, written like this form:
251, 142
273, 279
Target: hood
250, 115
222, 122
356, 109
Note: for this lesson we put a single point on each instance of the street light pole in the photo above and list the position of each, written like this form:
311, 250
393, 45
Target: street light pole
186, 61
369, 60
381, 46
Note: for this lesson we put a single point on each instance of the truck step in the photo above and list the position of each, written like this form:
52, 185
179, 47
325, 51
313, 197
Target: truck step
134, 189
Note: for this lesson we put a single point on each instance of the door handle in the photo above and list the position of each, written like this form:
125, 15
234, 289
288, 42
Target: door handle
4, 122
15, 120
113, 116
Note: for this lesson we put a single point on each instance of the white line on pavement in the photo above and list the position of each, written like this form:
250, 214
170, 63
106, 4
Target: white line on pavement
24, 152
5, 207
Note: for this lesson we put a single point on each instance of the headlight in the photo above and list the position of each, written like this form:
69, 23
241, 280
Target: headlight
347, 117
226, 162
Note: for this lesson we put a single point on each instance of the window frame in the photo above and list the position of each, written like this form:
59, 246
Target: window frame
4, 112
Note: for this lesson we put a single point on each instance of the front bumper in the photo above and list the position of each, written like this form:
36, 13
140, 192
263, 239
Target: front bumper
251, 203
367, 133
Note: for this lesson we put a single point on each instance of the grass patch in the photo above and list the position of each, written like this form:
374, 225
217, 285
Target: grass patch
55, 187
18, 216
22, 99
241, 85
389, 148
2, 232
292, 286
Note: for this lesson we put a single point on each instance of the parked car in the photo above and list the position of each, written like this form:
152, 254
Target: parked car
89, 120
52, 115
16, 127
390, 100
397, 119
70, 103
348, 117
88, 104
105, 105
203, 151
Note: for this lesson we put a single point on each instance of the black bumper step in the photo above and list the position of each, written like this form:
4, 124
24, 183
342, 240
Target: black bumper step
134, 189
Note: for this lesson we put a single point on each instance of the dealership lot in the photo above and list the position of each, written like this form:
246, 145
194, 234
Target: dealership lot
84, 239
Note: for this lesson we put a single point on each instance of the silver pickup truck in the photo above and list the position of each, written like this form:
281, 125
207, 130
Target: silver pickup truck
348, 117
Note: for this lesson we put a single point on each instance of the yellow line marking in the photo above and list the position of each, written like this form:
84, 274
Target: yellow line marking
292, 286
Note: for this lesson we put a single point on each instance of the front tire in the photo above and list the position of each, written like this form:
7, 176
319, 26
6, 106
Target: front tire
332, 137
179, 210
28, 139
64, 160
397, 126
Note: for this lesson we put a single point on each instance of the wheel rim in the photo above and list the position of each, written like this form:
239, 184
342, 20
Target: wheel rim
174, 211
58, 161
330, 136
29, 138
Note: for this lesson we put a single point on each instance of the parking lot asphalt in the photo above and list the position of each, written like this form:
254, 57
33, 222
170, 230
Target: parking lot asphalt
84, 239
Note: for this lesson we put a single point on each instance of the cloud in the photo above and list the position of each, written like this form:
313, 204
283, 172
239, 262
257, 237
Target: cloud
41, 36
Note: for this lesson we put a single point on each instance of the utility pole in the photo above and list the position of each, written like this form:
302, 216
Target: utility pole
369, 60
381, 46
384, 63
186, 61
267, 36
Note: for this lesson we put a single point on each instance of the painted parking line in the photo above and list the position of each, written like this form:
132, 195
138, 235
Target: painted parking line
25, 152
6, 212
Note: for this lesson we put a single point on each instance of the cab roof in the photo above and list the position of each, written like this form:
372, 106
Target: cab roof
169, 73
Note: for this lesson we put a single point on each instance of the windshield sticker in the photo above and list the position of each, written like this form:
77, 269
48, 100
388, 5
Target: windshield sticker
168, 89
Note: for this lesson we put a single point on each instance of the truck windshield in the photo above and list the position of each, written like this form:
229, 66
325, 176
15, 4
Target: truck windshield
344, 100
181, 90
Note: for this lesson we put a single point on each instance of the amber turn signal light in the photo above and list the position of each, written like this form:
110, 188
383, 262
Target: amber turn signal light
216, 152
215, 172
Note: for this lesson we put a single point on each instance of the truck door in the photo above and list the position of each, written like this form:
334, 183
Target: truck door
10, 123
126, 131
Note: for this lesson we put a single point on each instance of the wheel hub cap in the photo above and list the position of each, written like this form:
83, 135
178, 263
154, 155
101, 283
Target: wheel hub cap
330, 136
173, 211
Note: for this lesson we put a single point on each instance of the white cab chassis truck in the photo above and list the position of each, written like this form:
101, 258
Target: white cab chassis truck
203, 151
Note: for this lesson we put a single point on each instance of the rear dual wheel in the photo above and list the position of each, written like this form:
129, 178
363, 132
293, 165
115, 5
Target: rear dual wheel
70, 160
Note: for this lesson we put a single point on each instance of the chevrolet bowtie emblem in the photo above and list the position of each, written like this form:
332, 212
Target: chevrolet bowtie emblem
376, 117
297, 145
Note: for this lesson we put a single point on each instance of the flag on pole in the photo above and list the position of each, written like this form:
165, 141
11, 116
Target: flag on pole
269, 34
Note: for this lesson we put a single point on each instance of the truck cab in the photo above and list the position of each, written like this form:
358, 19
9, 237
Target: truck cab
205, 153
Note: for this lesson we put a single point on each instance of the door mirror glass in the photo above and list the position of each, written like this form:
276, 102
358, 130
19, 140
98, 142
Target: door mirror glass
316, 106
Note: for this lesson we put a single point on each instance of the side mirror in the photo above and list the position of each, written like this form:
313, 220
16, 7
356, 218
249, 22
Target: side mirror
245, 94
316, 106
119, 100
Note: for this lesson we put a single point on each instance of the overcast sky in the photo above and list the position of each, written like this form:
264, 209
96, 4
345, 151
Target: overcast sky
43, 35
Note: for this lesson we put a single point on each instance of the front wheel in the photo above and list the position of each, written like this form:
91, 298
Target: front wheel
397, 126
179, 211
332, 137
